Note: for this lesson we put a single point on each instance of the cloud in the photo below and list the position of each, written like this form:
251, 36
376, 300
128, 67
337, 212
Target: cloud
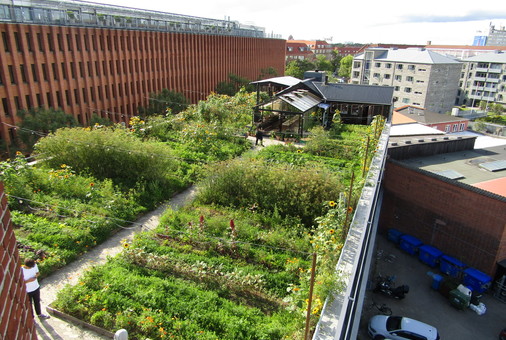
474, 16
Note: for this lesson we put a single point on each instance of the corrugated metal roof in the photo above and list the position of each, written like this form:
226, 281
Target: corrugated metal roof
301, 99
286, 81
415, 56
354, 93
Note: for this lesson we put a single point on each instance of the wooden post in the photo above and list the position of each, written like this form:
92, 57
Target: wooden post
311, 285
366, 155
349, 203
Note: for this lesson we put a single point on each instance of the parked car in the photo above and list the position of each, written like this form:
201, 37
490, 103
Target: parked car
400, 328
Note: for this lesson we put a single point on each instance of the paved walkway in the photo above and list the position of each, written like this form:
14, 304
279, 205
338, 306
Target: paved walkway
57, 329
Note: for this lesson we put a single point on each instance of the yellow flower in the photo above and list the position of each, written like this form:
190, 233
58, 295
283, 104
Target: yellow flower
332, 231
332, 203
125, 245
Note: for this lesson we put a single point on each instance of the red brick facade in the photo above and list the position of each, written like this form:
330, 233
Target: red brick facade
464, 222
16, 321
111, 72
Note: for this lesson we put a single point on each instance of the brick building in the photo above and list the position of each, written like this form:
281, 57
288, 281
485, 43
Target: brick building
89, 59
16, 320
440, 199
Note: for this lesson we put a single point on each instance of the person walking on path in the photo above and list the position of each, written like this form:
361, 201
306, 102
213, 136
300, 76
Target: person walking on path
30, 275
259, 137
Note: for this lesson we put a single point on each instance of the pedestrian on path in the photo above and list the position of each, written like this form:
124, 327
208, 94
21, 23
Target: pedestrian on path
259, 137
30, 274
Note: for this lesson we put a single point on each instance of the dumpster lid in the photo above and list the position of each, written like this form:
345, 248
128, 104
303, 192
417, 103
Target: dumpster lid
453, 260
480, 276
411, 239
431, 250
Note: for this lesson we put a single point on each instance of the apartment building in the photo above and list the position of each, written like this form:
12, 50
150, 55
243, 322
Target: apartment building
87, 58
483, 78
318, 47
298, 51
420, 77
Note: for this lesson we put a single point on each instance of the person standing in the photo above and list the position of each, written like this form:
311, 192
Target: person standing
30, 274
259, 137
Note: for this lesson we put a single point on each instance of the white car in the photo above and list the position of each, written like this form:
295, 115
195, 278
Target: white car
400, 328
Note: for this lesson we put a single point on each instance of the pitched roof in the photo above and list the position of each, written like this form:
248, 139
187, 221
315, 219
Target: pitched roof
423, 116
284, 81
398, 119
353, 93
415, 56
489, 57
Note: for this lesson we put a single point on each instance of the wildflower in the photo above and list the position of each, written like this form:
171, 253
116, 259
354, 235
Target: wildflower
331, 231
299, 151
350, 209
92, 184
125, 245
332, 203
104, 309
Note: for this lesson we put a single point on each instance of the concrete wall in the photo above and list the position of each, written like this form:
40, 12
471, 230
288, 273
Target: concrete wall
111, 72
16, 321
462, 221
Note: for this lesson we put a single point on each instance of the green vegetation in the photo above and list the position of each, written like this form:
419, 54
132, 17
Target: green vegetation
236, 264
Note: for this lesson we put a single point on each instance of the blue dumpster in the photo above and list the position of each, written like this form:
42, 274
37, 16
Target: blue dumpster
436, 281
429, 255
451, 266
410, 244
394, 235
476, 281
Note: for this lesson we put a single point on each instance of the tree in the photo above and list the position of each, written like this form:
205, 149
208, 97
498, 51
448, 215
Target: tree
233, 85
323, 64
40, 122
296, 68
345, 66
161, 102
268, 72
336, 60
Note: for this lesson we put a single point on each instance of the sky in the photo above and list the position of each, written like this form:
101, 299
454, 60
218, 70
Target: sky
442, 22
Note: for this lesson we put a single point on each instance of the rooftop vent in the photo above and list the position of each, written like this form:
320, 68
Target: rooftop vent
433, 139
421, 140
408, 142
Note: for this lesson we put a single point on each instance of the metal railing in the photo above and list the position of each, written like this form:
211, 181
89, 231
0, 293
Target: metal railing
340, 317
89, 14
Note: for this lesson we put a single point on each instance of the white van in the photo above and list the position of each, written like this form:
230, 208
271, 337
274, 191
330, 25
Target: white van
400, 328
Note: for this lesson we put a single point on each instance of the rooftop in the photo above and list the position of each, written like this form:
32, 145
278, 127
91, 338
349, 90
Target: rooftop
411, 55
484, 168
424, 116
489, 57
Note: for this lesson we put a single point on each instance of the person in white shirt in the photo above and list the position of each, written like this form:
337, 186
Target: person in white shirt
30, 274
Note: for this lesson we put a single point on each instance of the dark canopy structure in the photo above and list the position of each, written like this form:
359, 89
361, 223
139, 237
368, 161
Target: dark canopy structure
310, 99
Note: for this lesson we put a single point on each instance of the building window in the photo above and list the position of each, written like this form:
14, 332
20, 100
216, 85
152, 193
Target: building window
55, 71
377, 64
376, 75
462, 126
58, 99
398, 78
49, 99
400, 66
356, 74
420, 81
411, 67
67, 97
11, 74
405, 100
422, 70
407, 89
78, 42
409, 78
40, 42
76, 96
455, 127
356, 64
69, 42
17, 102
28, 101
397, 88
18, 42
5, 104
81, 69
22, 70
50, 42
64, 71
39, 100
447, 128
29, 41
388, 65
5, 39
34, 73
386, 76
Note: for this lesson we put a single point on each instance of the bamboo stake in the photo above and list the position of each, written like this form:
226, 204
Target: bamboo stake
311, 285
365, 156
